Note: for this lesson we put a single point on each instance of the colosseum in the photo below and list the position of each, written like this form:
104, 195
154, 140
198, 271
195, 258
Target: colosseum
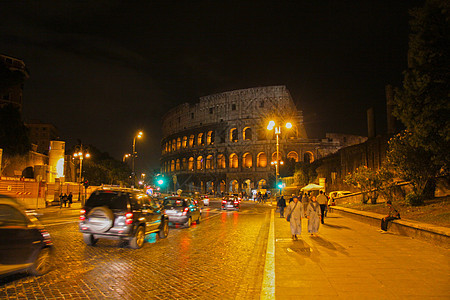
221, 144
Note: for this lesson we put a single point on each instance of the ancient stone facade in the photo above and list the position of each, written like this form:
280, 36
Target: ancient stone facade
222, 144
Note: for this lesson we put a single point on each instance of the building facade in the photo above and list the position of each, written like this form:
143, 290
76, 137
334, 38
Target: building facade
221, 144
17, 72
41, 134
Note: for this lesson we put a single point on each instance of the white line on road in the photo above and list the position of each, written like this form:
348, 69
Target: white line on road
268, 286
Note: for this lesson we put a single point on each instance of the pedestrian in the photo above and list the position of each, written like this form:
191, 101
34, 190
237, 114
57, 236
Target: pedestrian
393, 215
323, 202
294, 214
292, 198
265, 197
60, 200
305, 201
70, 199
282, 205
313, 214
64, 199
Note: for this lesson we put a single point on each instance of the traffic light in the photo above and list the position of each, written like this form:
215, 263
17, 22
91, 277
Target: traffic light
160, 182
280, 185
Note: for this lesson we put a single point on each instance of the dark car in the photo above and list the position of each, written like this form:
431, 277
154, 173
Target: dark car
182, 211
25, 244
126, 215
231, 202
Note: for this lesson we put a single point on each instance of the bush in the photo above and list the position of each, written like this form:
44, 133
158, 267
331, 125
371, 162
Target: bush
414, 199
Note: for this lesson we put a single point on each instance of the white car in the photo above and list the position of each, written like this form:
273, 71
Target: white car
337, 194
205, 200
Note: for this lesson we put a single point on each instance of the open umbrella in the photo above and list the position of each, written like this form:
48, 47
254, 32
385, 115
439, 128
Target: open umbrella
312, 187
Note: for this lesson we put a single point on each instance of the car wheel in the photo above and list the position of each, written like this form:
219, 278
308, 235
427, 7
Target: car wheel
43, 262
188, 223
164, 230
199, 219
100, 219
89, 239
138, 240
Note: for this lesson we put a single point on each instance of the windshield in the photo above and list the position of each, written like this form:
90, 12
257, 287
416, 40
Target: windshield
113, 200
174, 202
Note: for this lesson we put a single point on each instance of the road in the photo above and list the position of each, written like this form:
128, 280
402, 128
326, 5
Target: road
221, 258
239, 255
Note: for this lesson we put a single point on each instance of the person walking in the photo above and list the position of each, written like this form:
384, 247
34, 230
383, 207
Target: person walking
282, 205
64, 200
393, 215
313, 214
294, 214
323, 202
70, 199
60, 200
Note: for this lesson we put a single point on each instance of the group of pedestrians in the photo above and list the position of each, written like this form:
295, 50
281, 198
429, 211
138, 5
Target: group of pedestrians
303, 206
65, 200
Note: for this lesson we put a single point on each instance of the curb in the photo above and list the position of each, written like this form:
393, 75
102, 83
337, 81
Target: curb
433, 234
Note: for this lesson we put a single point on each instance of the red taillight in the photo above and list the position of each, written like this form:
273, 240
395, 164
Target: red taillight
129, 219
236, 202
224, 201
186, 209
82, 215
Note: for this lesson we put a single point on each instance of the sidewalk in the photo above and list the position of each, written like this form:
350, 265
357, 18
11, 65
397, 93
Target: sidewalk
56, 211
352, 260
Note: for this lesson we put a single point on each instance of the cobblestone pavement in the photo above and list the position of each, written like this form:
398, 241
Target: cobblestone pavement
221, 258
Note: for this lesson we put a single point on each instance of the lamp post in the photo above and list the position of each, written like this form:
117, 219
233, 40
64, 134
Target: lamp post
277, 163
126, 156
81, 155
133, 155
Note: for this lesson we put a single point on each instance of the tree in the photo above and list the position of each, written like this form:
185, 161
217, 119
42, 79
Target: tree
367, 181
423, 104
412, 163
14, 138
306, 173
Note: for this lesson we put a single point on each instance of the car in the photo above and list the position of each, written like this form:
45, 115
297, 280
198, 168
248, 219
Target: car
182, 210
25, 244
337, 194
230, 202
127, 215
205, 199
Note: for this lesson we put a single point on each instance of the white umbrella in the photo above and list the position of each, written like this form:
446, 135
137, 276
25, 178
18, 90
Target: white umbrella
312, 187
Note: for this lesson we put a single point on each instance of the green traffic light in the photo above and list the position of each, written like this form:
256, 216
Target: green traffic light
160, 182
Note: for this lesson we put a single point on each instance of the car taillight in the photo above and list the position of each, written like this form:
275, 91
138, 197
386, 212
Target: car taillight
236, 202
186, 209
129, 218
224, 201
46, 236
82, 215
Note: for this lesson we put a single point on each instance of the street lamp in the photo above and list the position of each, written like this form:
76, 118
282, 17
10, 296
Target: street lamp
80, 155
277, 163
126, 156
134, 153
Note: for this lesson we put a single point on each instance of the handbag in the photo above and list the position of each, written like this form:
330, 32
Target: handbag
288, 218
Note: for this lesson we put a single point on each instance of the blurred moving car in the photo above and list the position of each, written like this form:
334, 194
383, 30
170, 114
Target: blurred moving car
25, 245
182, 211
122, 214
205, 199
230, 202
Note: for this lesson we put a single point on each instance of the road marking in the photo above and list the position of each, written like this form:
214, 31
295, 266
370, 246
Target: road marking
58, 223
268, 286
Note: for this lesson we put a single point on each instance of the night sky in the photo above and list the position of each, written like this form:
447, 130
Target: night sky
102, 70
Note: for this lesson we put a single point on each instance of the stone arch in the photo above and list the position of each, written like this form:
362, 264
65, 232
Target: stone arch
191, 140
177, 165
200, 140
174, 144
172, 165
293, 155
261, 160
178, 143
200, 162
221, 161
247, 160
274, 156
233, 135
262, 184
234, 186
234, 161
191, 164
184, 164
210, 138
222, 186
209, 162
247, 134
184, 142
308, 157
247, 187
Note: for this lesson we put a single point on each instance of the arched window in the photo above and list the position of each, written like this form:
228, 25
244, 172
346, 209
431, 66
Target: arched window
200, 141
209, 162
262, 184
274, 156
221, 162
233, 135
169, 146
200, 163
172, 165
166, 147
261, 160
174, 145
210, 138
178, 143
293, 155
191, 140
247, 160
191, 164
177, 165
234, 161
308, 157
184, 143
184, 164
247, 134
